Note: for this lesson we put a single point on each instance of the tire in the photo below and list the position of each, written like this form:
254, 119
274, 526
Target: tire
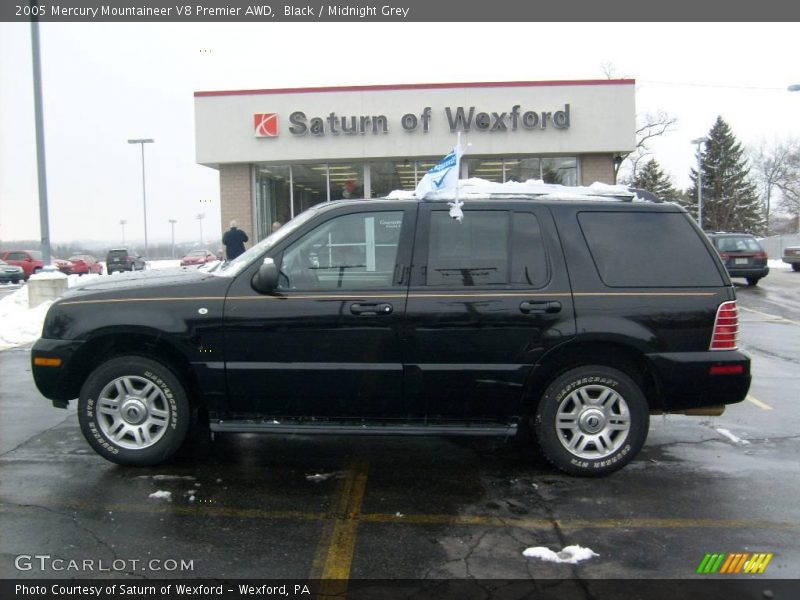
157, 411
751, 281
796, 267
606, 435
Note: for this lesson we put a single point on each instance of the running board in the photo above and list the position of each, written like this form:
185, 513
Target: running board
332, 428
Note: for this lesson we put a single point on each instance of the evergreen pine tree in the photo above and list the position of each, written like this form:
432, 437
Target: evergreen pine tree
730, 199
653, 179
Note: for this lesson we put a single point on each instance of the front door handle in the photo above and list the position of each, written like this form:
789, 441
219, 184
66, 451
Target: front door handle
371, 308
540, 306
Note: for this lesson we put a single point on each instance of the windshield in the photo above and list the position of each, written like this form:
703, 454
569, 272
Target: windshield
231, 268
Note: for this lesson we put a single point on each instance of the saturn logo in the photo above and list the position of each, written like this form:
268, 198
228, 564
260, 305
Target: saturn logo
266, 124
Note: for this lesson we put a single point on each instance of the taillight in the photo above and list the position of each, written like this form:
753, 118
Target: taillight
724, 255
726, 327
762, 255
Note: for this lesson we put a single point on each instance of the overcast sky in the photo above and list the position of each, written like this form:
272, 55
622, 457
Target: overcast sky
104, 83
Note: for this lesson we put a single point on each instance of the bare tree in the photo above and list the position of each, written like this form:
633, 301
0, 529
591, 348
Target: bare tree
651, 125
776, 167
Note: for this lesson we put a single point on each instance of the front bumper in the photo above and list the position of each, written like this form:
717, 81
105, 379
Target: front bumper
58, 383
700, 379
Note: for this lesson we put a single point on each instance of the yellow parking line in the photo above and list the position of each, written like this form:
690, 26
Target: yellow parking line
334, 555
771, 316
759, 403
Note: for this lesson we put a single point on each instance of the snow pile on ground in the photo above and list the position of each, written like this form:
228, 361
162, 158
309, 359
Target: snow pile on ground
777, 263
19, 324
571, 554
478, 188
161, 495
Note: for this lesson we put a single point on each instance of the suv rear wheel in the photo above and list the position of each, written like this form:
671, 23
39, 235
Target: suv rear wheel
591, 420
134, 411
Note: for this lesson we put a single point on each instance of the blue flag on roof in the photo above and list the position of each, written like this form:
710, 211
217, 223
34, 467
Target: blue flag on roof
443, 176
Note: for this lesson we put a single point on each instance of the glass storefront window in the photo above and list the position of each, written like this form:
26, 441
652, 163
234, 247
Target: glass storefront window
562, 169
310, 184
272, 197
347, 180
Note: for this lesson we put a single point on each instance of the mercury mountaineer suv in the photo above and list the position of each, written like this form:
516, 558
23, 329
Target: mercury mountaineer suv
571, 313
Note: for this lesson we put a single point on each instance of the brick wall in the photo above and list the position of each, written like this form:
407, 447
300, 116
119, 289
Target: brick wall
597, 167
235, 198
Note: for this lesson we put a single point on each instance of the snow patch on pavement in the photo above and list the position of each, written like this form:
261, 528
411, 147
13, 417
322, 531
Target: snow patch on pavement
167, 477
161, 495
317, 477
736, 440
571, 554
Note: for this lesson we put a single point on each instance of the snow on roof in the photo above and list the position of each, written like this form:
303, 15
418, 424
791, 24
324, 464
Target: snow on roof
475, 188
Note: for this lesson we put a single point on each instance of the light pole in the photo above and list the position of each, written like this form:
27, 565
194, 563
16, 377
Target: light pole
172, 223
200, 218
699, 141
122, 223
795, 87
142, 142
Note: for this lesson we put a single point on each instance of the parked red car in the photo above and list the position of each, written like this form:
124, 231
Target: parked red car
198, 257
65, 266
30, 260
84, 264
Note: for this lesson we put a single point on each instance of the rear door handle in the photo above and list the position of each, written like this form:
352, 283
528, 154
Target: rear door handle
540, 306
371, 308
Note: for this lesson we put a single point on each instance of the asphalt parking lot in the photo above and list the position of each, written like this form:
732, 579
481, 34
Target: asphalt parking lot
297, 507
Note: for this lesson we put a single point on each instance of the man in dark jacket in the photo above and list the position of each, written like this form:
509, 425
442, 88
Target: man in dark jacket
234, 240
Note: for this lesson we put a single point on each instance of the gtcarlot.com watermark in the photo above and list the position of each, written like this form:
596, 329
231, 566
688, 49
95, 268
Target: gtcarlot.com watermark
46, 562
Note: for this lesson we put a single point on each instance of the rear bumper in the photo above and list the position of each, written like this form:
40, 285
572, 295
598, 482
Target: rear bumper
791, 260
700, 379
56, 383
748, 272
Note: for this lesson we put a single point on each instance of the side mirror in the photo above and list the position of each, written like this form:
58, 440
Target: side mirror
266, 280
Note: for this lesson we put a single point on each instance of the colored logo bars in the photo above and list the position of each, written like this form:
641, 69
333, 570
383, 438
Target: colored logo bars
730, 564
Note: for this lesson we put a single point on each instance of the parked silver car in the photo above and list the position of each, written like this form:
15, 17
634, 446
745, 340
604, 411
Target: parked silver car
791, 255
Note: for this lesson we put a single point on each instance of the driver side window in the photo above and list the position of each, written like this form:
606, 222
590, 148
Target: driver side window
350, 252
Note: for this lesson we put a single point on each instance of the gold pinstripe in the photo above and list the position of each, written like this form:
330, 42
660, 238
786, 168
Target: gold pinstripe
411, 295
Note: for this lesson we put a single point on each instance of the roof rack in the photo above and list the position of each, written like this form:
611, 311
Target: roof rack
481, 189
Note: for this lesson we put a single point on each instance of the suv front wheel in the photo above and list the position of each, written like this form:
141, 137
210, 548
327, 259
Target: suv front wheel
591, 421
134, 411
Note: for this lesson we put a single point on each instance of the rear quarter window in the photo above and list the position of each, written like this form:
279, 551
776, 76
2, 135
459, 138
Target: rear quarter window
648, 249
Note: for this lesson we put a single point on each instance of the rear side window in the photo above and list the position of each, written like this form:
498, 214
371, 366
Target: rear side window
489, 247
639, 249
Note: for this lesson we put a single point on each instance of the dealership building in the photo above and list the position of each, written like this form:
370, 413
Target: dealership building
280, 151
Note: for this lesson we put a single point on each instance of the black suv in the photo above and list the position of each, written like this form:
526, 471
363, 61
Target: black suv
120, 259
742, 255
556, 316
